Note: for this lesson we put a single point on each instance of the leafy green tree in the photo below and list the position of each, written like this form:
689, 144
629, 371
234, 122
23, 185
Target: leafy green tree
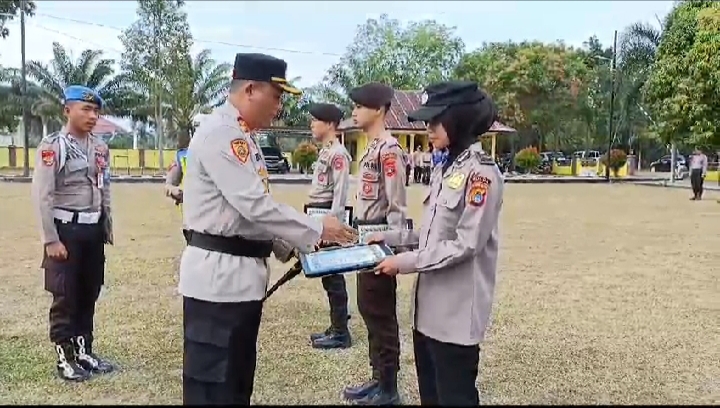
408, 58
682, 88
9, 9
156, 50
535, 85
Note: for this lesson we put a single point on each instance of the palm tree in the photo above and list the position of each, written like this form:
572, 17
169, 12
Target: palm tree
189, 87
90, 70
295, 109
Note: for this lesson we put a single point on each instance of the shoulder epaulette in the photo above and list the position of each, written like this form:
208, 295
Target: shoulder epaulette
51, 138
486, 160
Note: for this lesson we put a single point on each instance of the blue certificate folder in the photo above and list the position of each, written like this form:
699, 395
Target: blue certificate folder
333, 261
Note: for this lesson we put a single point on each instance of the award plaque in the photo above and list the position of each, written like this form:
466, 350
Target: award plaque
365, 230
338, 260
319, 211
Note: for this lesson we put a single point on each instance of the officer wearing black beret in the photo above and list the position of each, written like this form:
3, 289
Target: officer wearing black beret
456, 263
381, 205
373, 95
326, 112
234, 225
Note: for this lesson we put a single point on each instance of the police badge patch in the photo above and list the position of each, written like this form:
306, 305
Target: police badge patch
48, 157
240, 149
479, 186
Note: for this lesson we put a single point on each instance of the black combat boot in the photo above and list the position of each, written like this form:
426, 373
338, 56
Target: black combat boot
67, 367
385, 394
88, 360
334, 339
354, 393
315, 336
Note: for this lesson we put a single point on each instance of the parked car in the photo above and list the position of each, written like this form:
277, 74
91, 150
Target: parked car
587, 154
275, 161
558, 157
663, 165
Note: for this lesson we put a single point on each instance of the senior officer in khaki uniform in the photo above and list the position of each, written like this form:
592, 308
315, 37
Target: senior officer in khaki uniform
456, 261
331, 179
71, 194
381, 202
233, 220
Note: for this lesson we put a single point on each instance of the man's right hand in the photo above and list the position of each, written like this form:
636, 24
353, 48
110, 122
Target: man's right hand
56, 250
336, 231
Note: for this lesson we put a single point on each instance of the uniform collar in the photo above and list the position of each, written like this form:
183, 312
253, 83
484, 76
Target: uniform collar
234, 112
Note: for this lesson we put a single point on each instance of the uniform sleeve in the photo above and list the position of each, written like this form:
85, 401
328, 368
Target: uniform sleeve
341, 177
229, 165
394, 180
43, 189
704, 165
282, 250
173, 177
106, 201
483, 200
403, 238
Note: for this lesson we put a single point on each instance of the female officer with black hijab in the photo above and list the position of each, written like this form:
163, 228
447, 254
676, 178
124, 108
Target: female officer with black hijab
458, 246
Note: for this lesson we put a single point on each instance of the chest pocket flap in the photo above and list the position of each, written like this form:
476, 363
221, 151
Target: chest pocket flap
451, 198
76, 165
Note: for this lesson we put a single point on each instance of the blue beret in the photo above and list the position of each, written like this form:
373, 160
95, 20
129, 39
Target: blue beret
77, 93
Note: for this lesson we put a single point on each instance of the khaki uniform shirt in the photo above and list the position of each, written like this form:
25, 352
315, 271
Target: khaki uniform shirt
71, 174
227, 193
331, 178
458, 249
381, 189
426, 159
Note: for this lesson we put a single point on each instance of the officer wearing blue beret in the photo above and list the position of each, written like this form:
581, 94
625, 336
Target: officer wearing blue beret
71, 193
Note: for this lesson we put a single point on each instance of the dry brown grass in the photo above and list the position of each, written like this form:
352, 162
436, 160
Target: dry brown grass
607, 294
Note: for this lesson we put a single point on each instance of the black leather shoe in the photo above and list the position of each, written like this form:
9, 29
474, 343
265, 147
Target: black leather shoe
361, 391
333, 341
380, 397
67, 367
88, 360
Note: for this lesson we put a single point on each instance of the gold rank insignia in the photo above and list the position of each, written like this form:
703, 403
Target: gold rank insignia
455, 180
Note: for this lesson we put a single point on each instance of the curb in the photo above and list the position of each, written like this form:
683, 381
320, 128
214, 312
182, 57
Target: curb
667, 184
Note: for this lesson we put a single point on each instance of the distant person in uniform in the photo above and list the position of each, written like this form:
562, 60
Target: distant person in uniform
174, 177
330, 183
233, 221
381, 201
417, 158
408, 166
427, 165
698, 171
71, 193
456, 262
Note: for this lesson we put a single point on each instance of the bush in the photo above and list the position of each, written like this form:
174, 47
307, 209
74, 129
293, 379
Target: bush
305, 155
528, 158
618, 158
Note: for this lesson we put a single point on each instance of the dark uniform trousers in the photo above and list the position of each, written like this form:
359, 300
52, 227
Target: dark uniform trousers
220, 351
75, 282
378, 308
696, 180
408, 168
427, 170
337, 295
446, 372
418, 173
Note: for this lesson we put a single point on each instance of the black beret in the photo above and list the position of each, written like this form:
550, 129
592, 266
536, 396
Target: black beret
373, 95
263, 68
326, 112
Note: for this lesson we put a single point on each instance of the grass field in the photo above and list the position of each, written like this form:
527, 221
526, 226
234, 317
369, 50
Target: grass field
606, 294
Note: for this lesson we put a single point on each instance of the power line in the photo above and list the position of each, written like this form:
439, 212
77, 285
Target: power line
76, 38
329, 54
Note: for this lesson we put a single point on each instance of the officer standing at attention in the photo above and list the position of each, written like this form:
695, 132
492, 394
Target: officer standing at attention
381, 200
698, 171
417, 164
427, 165
233, 220
329, 189
456, 262
71, 194
174, 177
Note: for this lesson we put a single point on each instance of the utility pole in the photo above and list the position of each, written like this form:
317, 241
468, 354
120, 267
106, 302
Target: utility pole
25, 113
158, 99
612, 107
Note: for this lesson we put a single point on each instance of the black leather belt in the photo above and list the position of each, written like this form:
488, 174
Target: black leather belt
237, 246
